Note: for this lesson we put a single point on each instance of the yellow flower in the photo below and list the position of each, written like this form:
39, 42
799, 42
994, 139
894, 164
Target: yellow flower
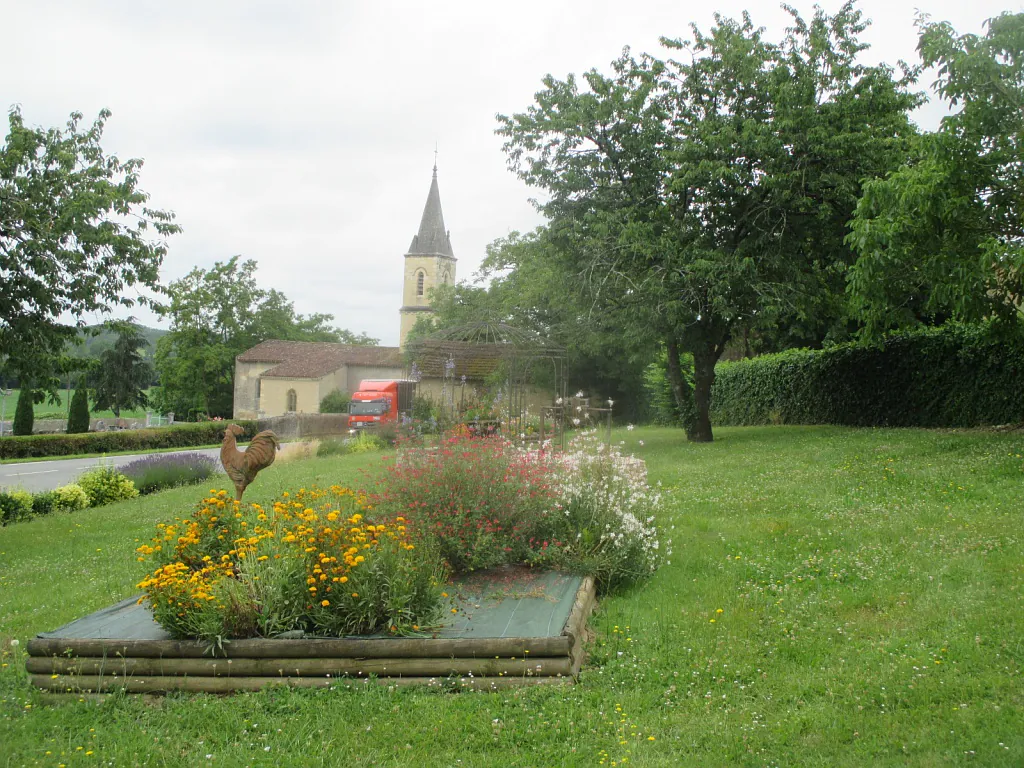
325, 603
355, 594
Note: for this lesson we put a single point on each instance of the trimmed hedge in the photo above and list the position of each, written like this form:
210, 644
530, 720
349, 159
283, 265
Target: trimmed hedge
952, 376
177, 436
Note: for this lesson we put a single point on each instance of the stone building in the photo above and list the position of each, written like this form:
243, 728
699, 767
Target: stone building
278, 377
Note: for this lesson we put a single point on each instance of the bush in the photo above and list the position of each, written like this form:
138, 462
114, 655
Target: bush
335, 402
154, 473
953, 376
24, 413
177, 436
43, 503
332, 447
479, 498
78, 417
311, 562
15, 506
604, 517
105, 485
70, 498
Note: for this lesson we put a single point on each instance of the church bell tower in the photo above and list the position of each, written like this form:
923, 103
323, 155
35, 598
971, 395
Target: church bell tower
428, 263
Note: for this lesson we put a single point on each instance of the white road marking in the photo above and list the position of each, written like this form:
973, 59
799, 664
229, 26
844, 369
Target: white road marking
40, 472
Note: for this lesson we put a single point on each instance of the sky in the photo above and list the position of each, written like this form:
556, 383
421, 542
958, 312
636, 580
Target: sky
302, 134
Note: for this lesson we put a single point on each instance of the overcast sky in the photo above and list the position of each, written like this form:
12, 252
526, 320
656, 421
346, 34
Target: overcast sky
301, 134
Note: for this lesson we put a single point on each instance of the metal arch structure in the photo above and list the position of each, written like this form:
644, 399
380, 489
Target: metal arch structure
472, 353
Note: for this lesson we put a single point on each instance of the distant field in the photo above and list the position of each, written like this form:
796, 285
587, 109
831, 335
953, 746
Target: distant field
59, 410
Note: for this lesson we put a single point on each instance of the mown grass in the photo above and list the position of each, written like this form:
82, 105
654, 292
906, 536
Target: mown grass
836, 597
59, 409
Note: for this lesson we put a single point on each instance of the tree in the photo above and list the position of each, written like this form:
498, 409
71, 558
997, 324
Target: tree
123, 375
943, 236
78, 416
689, 199
24, 413
216, 315
75, 232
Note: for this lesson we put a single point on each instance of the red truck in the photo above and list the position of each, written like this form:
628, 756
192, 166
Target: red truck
380, 401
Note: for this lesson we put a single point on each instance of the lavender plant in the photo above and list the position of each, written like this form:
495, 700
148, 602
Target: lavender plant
154, 473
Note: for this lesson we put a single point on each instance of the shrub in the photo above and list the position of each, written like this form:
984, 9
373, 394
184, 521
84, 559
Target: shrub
311, 562
78, 417
332, 447
604, 520
368, 441
24, 413
43, 503
479, 498
70, 498
154, 473
105, 485
177, 436
335, 402
15, 506
953, 376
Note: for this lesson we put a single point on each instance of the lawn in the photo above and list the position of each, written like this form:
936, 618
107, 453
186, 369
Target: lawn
835, 597
59, 410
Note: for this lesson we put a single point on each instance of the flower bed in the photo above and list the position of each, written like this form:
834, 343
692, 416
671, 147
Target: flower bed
337, 561
311, 562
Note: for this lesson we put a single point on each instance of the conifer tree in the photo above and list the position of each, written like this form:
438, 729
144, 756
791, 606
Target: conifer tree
24, 414
78, 419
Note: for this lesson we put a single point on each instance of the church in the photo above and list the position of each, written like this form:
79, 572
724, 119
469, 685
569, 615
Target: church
278, 377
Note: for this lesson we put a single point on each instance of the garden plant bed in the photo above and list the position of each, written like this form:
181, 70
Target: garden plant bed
512, 626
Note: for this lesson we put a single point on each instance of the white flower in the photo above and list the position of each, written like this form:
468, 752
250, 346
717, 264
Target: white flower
630, 427
641, 442
576, 422
580, 393
610, 402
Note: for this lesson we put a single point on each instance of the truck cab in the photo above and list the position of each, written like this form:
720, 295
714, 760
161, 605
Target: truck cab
380, 401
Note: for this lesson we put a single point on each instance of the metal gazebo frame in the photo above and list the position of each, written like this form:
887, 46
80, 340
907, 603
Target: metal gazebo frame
476, 351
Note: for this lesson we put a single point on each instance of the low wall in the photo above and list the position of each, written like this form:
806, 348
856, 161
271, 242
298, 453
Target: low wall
297, 426
57, 426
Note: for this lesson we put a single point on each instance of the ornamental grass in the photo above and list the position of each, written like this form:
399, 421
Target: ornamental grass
312, 561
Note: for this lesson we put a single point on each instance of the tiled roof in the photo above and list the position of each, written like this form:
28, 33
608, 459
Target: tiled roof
311, 359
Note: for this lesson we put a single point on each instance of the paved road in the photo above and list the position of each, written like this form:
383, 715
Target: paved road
46, 475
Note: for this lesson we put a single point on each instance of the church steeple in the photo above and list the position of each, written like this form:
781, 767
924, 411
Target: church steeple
432, 238
429, 262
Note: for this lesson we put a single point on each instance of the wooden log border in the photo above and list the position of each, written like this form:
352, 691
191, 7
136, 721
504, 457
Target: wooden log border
275, 668
95, 666
314, 648
76, 685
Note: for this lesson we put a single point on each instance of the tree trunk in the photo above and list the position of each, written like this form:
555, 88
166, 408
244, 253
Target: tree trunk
681, 389
695, 401
703, 378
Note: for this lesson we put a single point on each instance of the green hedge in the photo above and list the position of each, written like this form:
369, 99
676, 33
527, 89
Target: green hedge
177, 436
953, 376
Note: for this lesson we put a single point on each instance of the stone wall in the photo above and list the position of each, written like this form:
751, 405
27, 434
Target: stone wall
299, 426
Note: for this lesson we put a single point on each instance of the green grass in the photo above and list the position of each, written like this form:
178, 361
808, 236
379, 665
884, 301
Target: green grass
835, 597
59, 410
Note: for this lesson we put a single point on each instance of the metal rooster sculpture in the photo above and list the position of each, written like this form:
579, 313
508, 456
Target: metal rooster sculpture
243, 467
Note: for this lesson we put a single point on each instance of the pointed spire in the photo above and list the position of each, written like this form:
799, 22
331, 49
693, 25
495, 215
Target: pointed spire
432, 239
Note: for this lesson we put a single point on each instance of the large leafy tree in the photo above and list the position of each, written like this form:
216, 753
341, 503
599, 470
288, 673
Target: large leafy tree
75, 233
217, 314
518, 284
692, 198
123, 375
944, 234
